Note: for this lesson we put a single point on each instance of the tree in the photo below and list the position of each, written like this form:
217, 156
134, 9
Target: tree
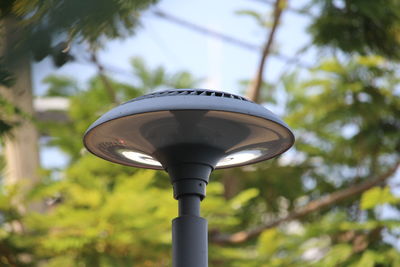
318, 205
84, 225
360, 27
30, 29
342, 105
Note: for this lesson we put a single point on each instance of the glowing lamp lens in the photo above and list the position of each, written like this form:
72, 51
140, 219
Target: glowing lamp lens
239, 157
232, 159
140, 157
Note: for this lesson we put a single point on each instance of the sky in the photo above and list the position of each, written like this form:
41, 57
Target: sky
161, 42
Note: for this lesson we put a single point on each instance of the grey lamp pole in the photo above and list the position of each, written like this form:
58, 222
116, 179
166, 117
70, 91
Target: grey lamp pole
188, 133
189, 230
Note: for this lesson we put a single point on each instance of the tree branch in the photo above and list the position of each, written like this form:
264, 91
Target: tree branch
293, 10
253, 91
312, 206
107, 84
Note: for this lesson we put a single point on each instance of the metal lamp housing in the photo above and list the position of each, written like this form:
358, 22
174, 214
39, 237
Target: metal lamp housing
188, 125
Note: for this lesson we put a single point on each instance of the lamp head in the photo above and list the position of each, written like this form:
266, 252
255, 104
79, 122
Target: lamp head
199, 126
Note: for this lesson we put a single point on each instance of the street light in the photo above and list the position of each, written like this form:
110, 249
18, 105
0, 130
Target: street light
188, 133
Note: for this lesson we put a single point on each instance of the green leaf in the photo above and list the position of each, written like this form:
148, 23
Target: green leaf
338, 254
367, 260
371, 61
268, 242
377, 196
243, 197
370, 198
260, 18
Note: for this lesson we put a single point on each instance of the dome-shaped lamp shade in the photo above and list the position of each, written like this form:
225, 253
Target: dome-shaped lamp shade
188, 125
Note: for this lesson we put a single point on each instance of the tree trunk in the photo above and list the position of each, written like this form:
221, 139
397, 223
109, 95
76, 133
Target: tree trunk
21, 144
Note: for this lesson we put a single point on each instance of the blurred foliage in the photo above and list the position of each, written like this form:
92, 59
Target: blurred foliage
6, 78
103, 214
377, 196
8, 113
98, 213
368, 27
261, 19
346, 117
47, 28
6, 109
